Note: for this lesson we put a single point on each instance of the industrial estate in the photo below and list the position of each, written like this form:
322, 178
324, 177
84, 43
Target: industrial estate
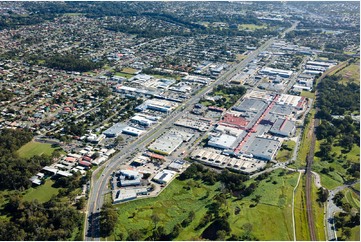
179, 121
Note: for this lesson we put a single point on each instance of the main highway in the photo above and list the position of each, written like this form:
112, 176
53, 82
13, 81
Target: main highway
99, 183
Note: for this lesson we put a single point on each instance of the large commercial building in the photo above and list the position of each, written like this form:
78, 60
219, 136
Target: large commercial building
124, 195
242, 164
157, 105
224, 141
292, 100
201, 125
250, 105
274, 72
132, 131
115, 130
165, 176
234, 121
168, 143
283, 127
261, 148
129, 178
142, 121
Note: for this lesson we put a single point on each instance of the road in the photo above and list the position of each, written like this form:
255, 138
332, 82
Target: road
98, 186
331, 210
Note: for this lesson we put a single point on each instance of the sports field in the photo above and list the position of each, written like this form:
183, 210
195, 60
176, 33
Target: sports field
35, 148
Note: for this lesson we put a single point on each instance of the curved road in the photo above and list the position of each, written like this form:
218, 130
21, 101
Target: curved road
98, 186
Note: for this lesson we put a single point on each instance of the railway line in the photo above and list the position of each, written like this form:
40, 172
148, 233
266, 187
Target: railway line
310, 218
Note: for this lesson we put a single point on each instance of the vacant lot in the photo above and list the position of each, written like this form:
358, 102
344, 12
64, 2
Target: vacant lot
308, 94
350, 73
35, 148
251, 26
172, 207
128, 70
286, 151
125, 75
270, 219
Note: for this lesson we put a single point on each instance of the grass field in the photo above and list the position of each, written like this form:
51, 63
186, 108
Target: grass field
286, 154
357, 186
126, 75
35, 148
352, 198
305, 142
302, 232
73, 14
42, 193
334, 178
271, 219
240, 57
350, 73
99, 172
308, 94
206, 103
355, 234
172, 206
318, 215
251, 26
128, 70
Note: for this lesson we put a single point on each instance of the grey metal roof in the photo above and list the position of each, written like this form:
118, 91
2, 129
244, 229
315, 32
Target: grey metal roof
282, 109
116, 129
251, 105
283, 126
263, 147
223, 140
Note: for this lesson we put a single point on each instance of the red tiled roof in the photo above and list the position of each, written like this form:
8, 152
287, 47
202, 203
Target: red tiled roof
234, 120
84, 163
70, 159
156, 156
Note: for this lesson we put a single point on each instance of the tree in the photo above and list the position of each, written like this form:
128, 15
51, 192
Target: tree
346, 232
355, 220
221, 235
118, 140
134, 235
159, 234
322, 194
257, 199
103, 91
155, 218
175, 232
81, 203
337, 199
346, 207
108, 219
